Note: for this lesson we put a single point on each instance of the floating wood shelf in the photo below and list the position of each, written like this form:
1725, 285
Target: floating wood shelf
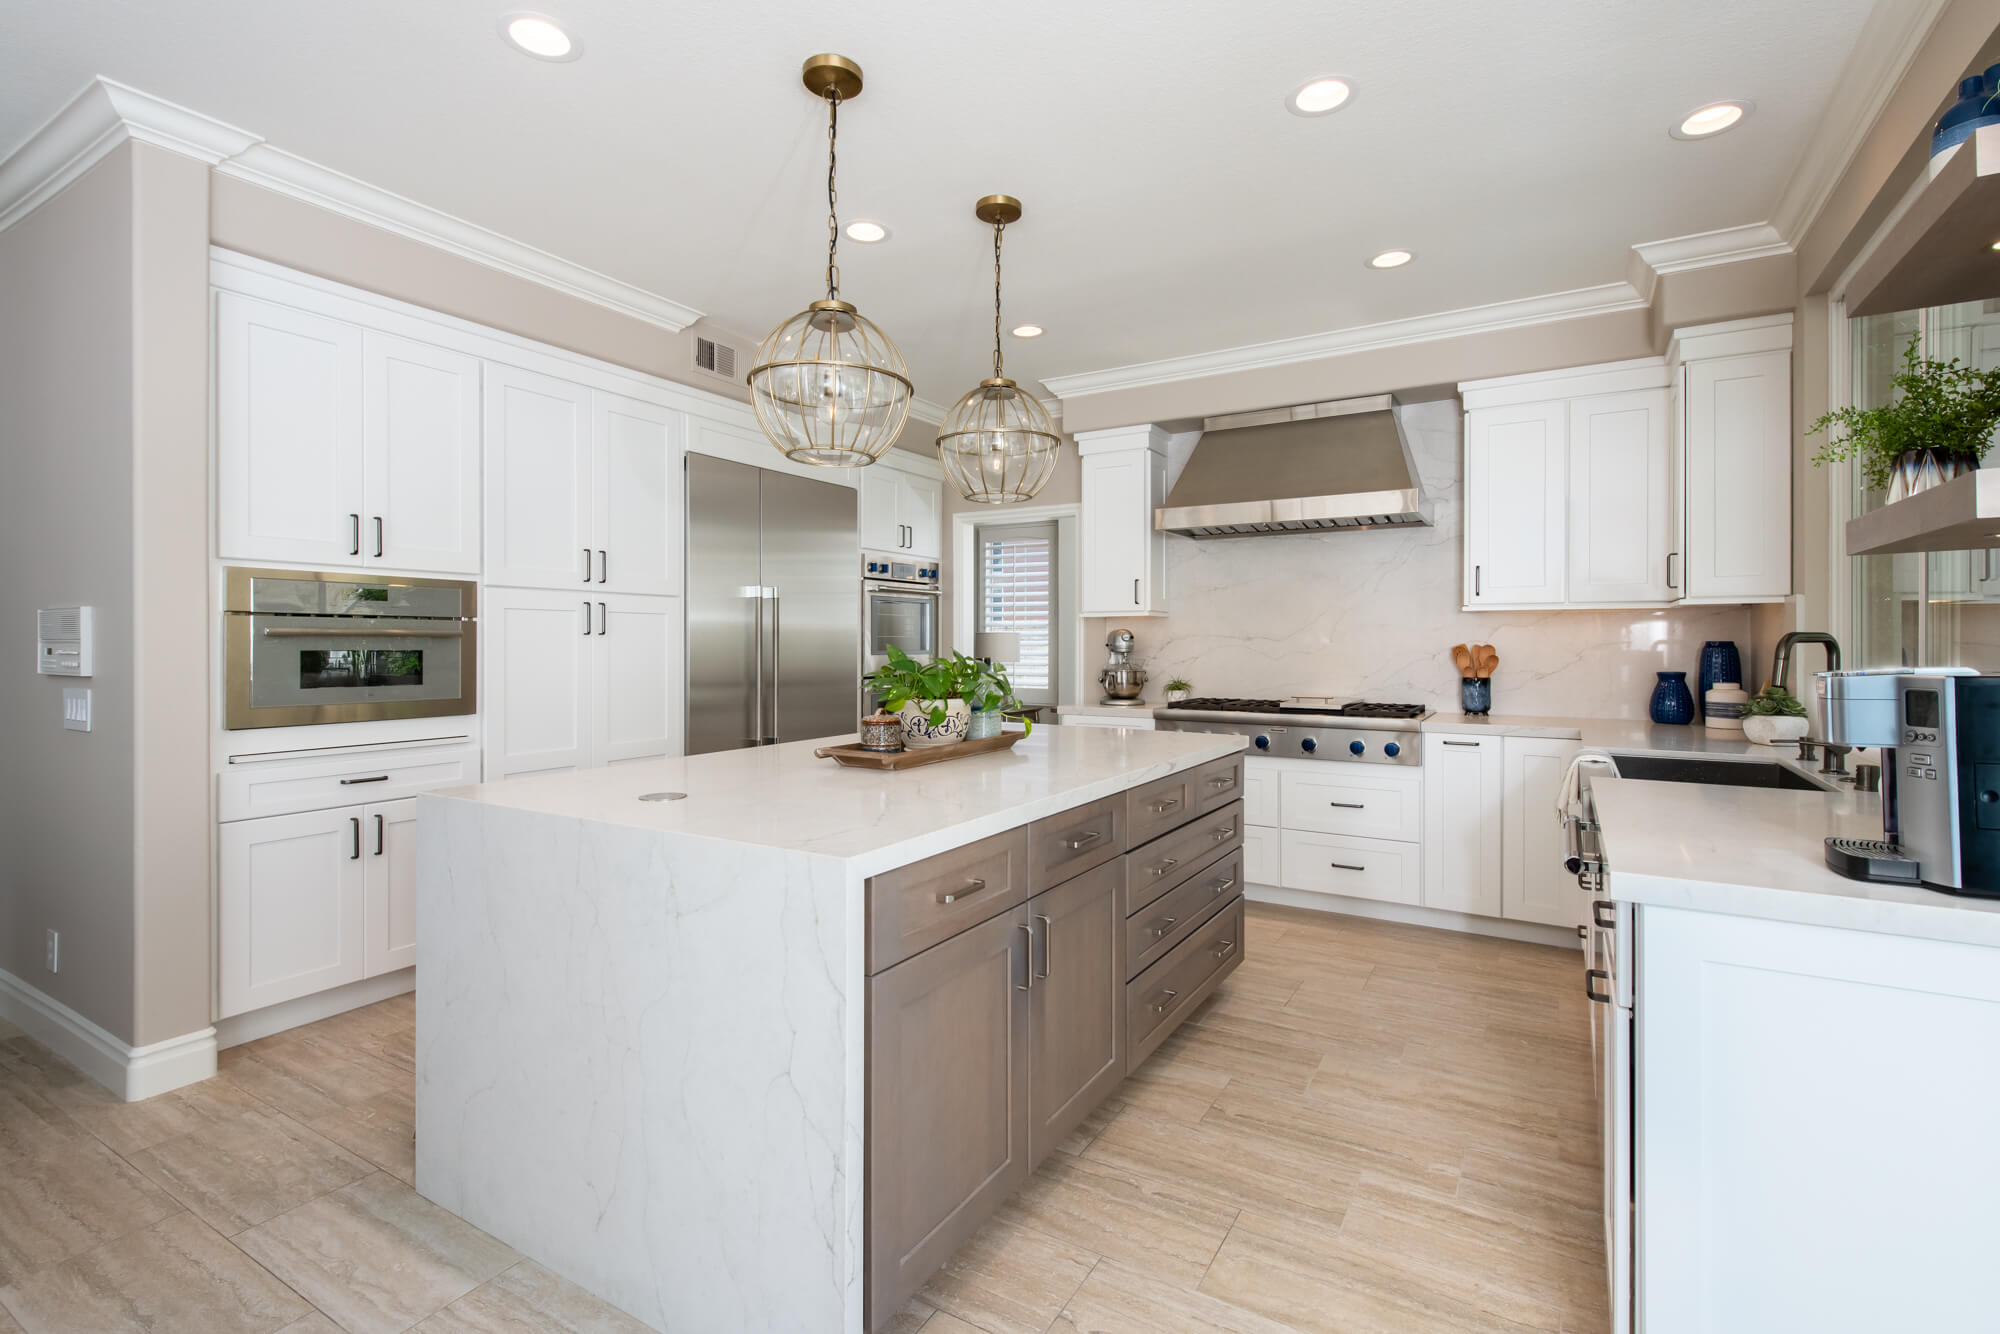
1941, 250
1961, 515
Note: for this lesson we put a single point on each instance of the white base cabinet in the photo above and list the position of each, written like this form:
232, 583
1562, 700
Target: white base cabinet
1534, 887
1462, 823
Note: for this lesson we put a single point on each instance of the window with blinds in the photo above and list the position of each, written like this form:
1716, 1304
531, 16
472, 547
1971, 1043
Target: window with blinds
1017, 593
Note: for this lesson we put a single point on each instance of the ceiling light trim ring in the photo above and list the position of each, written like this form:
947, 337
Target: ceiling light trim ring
1292, 103
1743, 105
572, 49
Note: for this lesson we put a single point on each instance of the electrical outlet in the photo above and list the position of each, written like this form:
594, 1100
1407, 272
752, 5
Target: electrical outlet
55, 942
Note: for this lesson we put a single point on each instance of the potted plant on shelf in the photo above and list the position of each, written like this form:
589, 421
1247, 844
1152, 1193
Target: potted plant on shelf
1938, 423
1179, 689
1775, 715
991, 695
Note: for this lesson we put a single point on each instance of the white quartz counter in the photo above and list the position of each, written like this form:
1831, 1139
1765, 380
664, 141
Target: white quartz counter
1142, 712
1622, 735
1757, 852
784, 798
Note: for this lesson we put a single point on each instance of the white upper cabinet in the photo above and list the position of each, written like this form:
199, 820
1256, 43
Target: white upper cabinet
877, 513
637, 504
538, 496
1736, 395
1123, 558
922, 503
1514, 513
900, 512
420, 455
1463, 783
1620, 501
288, 435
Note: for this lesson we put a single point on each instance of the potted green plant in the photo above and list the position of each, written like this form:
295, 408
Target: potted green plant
991, 695
929, 697
1775, 715
1938, 423
1178, 689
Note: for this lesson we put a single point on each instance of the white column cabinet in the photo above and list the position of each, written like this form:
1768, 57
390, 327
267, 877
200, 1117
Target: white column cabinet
636, 497
1462, 825
1123, 558
420, 450
538, 498
1515, 535
1738, 485
1534, 887
1620, 498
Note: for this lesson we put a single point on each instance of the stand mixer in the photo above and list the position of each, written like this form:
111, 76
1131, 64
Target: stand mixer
1122, 678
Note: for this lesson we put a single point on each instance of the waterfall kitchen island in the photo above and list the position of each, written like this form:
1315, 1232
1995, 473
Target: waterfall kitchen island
749, 1041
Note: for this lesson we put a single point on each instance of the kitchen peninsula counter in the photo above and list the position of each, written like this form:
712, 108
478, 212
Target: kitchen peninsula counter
642, 1033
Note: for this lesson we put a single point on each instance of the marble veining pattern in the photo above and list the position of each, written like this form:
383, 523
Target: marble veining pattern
1374, 614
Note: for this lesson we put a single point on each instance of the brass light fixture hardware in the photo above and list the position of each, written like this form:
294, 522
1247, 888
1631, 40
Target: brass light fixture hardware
997, 443
828, 386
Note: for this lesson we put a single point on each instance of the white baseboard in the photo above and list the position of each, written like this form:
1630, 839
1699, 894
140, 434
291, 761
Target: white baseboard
130, 1072
1532, 932
238, 1029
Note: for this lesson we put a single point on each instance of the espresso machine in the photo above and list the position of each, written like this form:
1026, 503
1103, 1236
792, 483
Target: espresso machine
1122, 678
1939, 731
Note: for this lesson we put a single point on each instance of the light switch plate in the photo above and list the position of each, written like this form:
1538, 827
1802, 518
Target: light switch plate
76, 708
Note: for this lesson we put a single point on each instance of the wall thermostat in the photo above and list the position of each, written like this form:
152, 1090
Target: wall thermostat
62, 641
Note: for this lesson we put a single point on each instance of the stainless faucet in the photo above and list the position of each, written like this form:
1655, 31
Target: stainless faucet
1835, 759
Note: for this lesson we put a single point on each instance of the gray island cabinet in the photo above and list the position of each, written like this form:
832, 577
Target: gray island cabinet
762, 1055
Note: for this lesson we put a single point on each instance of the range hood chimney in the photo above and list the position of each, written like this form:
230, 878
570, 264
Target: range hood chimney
1344, 464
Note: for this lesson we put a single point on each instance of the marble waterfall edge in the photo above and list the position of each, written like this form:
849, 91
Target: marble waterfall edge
623, 1087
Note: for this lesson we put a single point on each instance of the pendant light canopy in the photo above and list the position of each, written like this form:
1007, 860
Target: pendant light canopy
828, 386
997, 443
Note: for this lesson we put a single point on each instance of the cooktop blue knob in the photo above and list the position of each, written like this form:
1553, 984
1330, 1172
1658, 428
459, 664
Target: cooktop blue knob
1309, 745
1263, 743
1355, 747
1392, 750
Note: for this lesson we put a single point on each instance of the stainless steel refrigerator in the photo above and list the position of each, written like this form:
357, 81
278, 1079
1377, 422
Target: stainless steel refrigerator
773, 607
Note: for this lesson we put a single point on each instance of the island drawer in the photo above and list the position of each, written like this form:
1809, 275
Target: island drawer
1162, 864
1154, 808
1071, 842
925, 903
1173, 917
1158, 999
1218, 783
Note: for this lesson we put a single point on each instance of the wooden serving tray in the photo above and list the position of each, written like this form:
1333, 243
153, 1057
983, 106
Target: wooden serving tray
854, 757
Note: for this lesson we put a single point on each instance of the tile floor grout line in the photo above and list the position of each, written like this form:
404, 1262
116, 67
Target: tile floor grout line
1064, 1307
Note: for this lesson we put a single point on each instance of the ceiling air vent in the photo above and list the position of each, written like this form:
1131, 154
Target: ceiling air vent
715, 358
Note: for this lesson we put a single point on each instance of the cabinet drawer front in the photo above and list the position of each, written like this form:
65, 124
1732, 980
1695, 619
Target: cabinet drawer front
1363, 868
1158, 999
1218, 783
915, 907
1159, 806
253, 788
1356, 800
1165, 862
1175, 915
1069, 843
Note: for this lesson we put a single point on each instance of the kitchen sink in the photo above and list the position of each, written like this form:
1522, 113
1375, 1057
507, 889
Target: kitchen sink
1720, 773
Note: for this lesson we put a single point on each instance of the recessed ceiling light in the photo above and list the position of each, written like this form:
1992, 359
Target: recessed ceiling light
1711, 120
1996, 245
1027, 331
1316, 97
866, 232
540, 36
1391, 259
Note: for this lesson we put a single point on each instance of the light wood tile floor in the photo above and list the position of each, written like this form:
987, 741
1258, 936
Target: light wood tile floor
1370, 1128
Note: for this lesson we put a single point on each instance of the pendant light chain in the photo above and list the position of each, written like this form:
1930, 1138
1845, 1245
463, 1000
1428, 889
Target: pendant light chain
998, 227
832, 197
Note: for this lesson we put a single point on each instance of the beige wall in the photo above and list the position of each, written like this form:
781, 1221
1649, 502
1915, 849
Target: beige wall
66, 536
1766, 286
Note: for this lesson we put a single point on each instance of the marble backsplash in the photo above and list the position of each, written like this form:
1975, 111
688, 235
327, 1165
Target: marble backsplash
1376, 613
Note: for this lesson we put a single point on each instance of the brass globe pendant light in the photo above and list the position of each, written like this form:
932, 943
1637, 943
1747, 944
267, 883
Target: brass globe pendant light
997, 444
828, 386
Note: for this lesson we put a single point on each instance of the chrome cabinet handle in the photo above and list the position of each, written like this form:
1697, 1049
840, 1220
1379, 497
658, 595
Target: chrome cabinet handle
1083, 841
1227, 780
601, 618
1162, 807
378, 833
1228, 948
586, 620
1343, 866
354, 821
1048, 945
1474, 744
1224, 835
1166, 999
378, 536
378, 778
1227, 882
586, 565
1164, 867
1597, 911
1166, 925
965, 891
1350, 805
600, 566
1028, 960
1591, 977
355, 548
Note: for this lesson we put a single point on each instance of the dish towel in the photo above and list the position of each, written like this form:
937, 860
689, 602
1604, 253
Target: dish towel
1567, 795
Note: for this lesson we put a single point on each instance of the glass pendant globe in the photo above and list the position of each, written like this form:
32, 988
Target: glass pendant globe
829, 388
998, 444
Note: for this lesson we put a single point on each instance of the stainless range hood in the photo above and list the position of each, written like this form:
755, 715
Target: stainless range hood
1344, 464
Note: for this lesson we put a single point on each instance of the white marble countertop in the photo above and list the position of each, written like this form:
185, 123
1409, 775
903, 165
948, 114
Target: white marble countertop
783, 797
1759, 852
1144, 711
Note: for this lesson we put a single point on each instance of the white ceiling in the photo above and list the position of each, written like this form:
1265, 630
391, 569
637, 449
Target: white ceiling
1173, 205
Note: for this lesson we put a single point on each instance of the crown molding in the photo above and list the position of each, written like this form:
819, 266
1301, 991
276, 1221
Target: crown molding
926, 411
1890, 39
1607, 299
1702, 250
107, 113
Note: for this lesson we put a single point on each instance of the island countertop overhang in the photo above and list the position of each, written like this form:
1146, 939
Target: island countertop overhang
784, 798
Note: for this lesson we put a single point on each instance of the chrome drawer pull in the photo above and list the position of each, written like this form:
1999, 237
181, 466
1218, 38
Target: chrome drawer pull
1228, 948
1166, 925
1350, 805
1227, 882
1162, 807
965, 891
1225, 781
378, 778
1164, 867
1048, 946
1083, 841
1166, 999
1224, 835
1028, 960
1343, 866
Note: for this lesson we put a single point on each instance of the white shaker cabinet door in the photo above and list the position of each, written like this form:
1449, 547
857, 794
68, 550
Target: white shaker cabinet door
1739, 476
289, 896
921, 506
538, 478
538, 655
1620, 498
1534, 887
421, 456
1462, 823
288, 435
878, 517
636, 708
636, 480
1515, 504
389, 832
1124, 560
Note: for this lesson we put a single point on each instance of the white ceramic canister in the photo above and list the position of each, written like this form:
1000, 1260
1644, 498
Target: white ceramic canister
1723, 705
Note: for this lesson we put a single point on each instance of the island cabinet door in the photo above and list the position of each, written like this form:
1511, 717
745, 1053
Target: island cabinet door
948, 1112
1076, 1049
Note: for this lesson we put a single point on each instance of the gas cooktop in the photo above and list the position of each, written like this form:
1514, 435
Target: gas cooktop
1306, 726
1303, 706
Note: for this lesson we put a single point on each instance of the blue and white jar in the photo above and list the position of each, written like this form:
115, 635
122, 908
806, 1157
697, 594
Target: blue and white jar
918, 730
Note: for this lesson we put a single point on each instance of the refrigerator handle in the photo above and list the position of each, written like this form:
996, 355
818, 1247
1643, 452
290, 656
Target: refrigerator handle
777, 670
756, 593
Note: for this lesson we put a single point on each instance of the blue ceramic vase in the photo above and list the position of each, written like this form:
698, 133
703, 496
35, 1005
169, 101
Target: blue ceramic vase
1978, 104
1719, 662
1671, 701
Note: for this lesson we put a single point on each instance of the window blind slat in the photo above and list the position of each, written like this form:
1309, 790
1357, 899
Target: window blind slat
1017, 595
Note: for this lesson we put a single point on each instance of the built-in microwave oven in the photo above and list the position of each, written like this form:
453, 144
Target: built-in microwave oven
301, 647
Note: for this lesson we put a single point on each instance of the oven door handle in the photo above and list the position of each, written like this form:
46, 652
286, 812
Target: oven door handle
359, 632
